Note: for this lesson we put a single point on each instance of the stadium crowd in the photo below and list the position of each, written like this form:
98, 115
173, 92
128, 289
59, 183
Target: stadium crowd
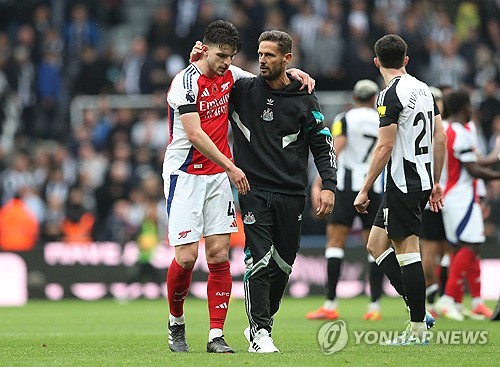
100, 179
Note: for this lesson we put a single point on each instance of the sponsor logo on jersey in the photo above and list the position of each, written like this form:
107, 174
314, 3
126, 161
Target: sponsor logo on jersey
190, 97
267, 115
270, 101
183, 234
224, 86
249, 218
205, 93
381, 111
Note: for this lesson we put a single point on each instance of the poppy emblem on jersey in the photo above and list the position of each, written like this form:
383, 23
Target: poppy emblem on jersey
190, 97
249, 218
184, 234
267, 115
214, 89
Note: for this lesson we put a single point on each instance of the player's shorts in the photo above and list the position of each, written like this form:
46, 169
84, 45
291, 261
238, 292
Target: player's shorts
344, 211
432, 226
463, 222
401, 214
198, 206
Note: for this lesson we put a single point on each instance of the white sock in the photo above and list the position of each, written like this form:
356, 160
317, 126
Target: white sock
176, 320
419, 328
476, 301
330, 305
373, 306
214, 333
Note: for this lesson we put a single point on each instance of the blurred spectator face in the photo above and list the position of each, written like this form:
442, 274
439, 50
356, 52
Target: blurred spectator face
21, 162
79, 14
88, 54
118, 171
162, 15
26, 35
139, 46
41, 13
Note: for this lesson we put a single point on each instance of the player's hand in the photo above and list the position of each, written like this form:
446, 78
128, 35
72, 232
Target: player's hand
304, 78
326, 201
315, 193
198, 51
239, 179
436, 201
361, 202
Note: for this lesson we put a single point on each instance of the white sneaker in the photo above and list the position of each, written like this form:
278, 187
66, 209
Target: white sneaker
246, 332
446, 307
262, 343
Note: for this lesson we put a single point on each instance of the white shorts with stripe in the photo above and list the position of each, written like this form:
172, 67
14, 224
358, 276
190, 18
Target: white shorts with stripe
463, 222
198, 206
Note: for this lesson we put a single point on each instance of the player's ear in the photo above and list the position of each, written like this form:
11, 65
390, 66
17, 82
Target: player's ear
375, 61
405, 62
288, 57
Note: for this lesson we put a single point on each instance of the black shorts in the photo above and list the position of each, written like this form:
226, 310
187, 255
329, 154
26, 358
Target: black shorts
432, 226
344, 211
401, 214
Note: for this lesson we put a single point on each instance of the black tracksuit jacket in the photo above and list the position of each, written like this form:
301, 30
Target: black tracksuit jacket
273, 131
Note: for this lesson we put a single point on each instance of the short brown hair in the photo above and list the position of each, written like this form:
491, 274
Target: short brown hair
391, 51
283, 40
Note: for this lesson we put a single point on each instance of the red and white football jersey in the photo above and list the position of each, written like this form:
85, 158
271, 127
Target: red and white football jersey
461, 148
191, 91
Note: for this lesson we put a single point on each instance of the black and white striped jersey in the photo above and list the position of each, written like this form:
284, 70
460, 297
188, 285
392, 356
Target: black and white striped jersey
360, 127
408, 102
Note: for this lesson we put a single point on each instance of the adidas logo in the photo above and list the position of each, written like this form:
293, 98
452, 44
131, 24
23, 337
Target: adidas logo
205, 93
222, 305
270, 101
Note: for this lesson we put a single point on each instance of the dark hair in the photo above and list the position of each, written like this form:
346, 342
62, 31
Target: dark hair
455, 102
391, 51
221, 32
283, 40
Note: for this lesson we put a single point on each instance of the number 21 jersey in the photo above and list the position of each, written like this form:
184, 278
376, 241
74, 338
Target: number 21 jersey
408, 102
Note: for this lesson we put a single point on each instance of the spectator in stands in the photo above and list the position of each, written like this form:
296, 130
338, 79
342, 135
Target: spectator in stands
18, 226
78, 224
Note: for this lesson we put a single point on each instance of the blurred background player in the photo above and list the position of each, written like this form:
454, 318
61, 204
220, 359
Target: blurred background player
355, 134
462, 214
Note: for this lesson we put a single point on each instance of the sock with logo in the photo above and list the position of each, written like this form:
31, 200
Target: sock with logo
376, 278
412, 274
334, 257
218, 293
178, 282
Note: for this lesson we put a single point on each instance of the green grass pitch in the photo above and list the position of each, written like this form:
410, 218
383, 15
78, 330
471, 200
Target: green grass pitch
107, 333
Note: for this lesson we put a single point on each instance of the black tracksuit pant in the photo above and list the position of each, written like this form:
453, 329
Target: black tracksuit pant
272, 223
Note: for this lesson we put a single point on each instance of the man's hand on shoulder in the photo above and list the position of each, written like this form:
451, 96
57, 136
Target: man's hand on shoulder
304, 78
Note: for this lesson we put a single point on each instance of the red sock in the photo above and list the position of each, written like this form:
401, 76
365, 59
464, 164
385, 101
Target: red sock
473, 276
218, 292
178, 282
458, 268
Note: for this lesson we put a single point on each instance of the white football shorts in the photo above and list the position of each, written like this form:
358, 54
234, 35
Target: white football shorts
463, 222
198, 206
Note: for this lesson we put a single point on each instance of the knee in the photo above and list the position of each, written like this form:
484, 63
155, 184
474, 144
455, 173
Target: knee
186, 260
217, 257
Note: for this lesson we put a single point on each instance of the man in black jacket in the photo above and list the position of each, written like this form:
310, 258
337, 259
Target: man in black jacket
275, 124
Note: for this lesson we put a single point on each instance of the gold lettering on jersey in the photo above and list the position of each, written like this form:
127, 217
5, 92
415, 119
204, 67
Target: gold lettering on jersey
414, 96
381, 111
